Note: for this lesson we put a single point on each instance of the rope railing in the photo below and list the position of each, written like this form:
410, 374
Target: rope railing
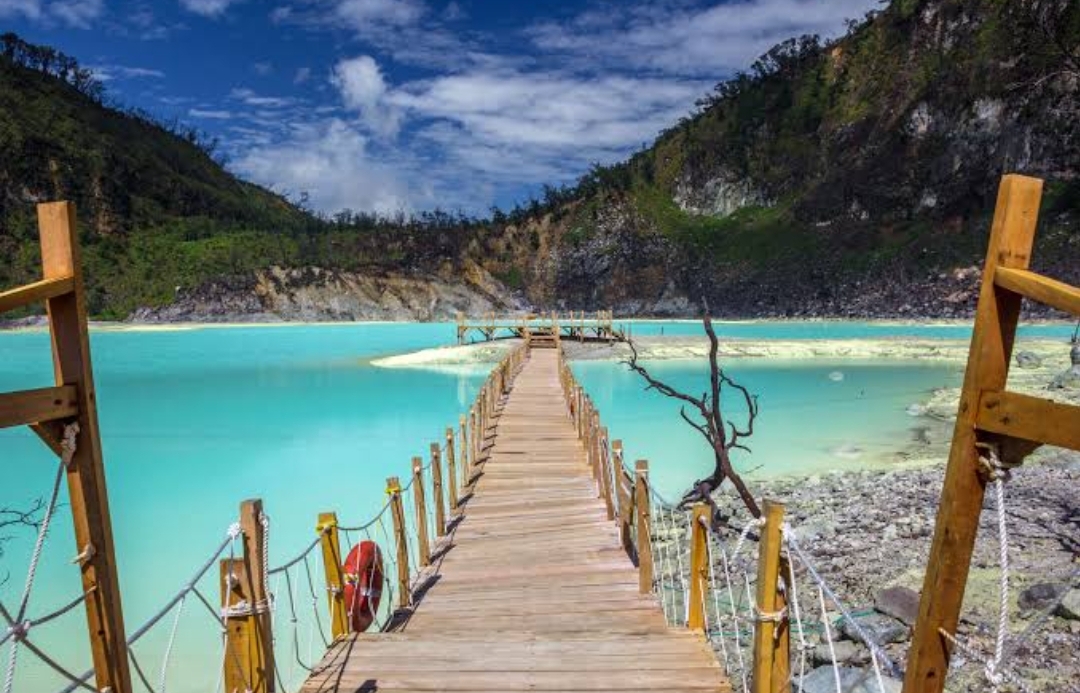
749, 589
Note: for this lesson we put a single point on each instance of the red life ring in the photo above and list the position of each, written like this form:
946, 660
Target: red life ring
363, 584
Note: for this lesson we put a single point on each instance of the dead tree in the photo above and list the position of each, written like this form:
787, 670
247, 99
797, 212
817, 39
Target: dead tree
723, 435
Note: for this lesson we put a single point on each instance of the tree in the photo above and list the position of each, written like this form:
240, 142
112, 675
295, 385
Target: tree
11, 519
723, 435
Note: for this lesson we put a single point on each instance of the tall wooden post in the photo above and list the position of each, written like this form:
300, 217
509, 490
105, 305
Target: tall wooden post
644, 545
606, 470
249, 664
397, 512
625, 503
451, 470
466, 459
474, 442
768, 657
699, 566
437, 490
1011, 238
327, 528
423, 547
60, 257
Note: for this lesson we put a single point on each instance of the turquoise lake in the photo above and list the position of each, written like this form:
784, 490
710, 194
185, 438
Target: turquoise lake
196, 420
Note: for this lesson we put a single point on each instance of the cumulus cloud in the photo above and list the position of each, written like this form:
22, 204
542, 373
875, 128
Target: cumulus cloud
73, 13
208, 8
669, 38
363, 90
331, 161
363, 14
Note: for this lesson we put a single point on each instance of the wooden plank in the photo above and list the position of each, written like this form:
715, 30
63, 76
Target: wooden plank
1038, 288
1030, 418
1011, 237
35, 406
88, 497
45, 289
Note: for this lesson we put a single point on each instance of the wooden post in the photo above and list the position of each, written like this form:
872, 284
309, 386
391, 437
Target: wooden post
624, 497
437, 489
248, 639
451, 469
699, 566
327, 528
419, 500
397, 512
1011, 238
466, 463
606, 469
474, 442
644, 545
769, 602
88, 498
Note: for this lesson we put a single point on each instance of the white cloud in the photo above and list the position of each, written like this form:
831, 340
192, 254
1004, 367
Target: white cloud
330, 161
714, 41
251, 98
364, 14
208, 8
263, 68
108, 73
210, 114
303, 74
363, 90
73, 13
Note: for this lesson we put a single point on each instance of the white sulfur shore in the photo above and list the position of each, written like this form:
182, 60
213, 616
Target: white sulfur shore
443, 357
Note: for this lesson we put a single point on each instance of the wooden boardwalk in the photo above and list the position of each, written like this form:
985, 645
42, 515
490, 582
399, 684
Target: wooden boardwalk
533, 591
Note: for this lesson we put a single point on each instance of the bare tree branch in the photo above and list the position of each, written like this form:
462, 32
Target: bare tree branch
712, 426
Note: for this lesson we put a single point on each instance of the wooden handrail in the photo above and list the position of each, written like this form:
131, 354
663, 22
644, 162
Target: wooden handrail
27, 407
1030, 418
41, 290
1038, 288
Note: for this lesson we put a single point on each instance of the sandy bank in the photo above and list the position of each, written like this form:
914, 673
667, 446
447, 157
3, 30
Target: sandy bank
441, 357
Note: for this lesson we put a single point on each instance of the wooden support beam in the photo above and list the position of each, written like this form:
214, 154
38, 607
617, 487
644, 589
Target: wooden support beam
451, 470
1030, 418
38, 291
466, 463
249, 664
35, 406
1038, 288
768, 654
606, 471
88, 498
423, 545
625, 497
397, 513
437, 490
1011, 237
327, 528
699, 566
642, 508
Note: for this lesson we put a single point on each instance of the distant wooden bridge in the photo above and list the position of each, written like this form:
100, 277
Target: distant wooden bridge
525, 554
544, 329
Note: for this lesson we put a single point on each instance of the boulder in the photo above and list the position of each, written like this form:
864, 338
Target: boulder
1070, 606
847, 652
852, 680
1040, 595
1028, 359
901, 603
884, 629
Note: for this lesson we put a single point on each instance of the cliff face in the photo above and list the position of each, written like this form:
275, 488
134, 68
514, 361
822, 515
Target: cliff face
852, 179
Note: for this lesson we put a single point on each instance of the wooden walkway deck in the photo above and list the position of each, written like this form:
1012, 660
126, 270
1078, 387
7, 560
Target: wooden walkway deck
533, 591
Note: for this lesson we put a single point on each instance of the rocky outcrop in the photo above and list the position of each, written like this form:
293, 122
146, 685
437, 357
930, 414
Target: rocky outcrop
720, 195
317, 294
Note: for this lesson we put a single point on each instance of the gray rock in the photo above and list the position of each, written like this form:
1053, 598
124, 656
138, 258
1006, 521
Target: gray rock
1040, 595
1070, 606
846, 653
1028, 359
852, 680
882, 628
1069, 380
901, 603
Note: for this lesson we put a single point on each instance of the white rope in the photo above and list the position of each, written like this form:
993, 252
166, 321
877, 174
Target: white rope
828, 638
22, 626
802, 645
163, 677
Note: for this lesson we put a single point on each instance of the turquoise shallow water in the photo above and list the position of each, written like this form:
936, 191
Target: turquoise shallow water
194, 421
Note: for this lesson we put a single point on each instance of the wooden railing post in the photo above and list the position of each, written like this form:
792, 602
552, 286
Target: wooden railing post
474, 442
466, 463
625, 503
642, 508
397, 512
1012, 236
606, 469
699, 565
451, 469
437, 489
423, 546
770, 652
327, 528
88, 498
249, 641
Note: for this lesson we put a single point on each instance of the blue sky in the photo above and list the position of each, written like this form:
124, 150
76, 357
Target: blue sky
388, 105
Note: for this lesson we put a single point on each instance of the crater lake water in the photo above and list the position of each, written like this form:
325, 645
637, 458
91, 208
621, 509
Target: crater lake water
195, 420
